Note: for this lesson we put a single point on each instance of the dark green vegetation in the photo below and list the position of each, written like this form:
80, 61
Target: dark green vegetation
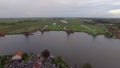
6, 59
59, 62
86, 65
16, 26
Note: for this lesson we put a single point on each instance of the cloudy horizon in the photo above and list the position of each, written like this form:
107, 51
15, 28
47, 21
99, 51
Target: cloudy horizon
60, 8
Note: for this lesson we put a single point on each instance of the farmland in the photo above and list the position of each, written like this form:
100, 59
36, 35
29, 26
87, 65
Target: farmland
17, 26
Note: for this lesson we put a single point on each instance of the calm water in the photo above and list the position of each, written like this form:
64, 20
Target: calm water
77, 48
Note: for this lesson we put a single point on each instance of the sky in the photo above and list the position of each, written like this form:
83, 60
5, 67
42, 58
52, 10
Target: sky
60, 8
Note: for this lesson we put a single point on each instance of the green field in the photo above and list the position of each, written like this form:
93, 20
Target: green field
16, 26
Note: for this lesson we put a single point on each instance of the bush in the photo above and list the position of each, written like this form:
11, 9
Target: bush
25, 57
86, 65
58, 61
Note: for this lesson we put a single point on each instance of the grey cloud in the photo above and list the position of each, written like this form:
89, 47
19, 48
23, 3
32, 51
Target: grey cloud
54, 8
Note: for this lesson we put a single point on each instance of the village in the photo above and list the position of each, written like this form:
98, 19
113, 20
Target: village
32, 60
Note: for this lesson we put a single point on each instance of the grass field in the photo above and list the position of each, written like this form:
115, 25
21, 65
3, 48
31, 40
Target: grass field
14, 26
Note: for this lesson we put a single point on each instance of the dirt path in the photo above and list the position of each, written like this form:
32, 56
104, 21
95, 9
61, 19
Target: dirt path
88, 28
44, 27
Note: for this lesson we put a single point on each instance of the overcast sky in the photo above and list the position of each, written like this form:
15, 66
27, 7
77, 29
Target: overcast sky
59, 8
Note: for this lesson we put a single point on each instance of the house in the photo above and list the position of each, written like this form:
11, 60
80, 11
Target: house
54, 24
100, 24
63, 21
109, 25
2, 34
117, 32
27, 33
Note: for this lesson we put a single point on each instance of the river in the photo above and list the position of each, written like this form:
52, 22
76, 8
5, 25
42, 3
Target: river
77, 48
